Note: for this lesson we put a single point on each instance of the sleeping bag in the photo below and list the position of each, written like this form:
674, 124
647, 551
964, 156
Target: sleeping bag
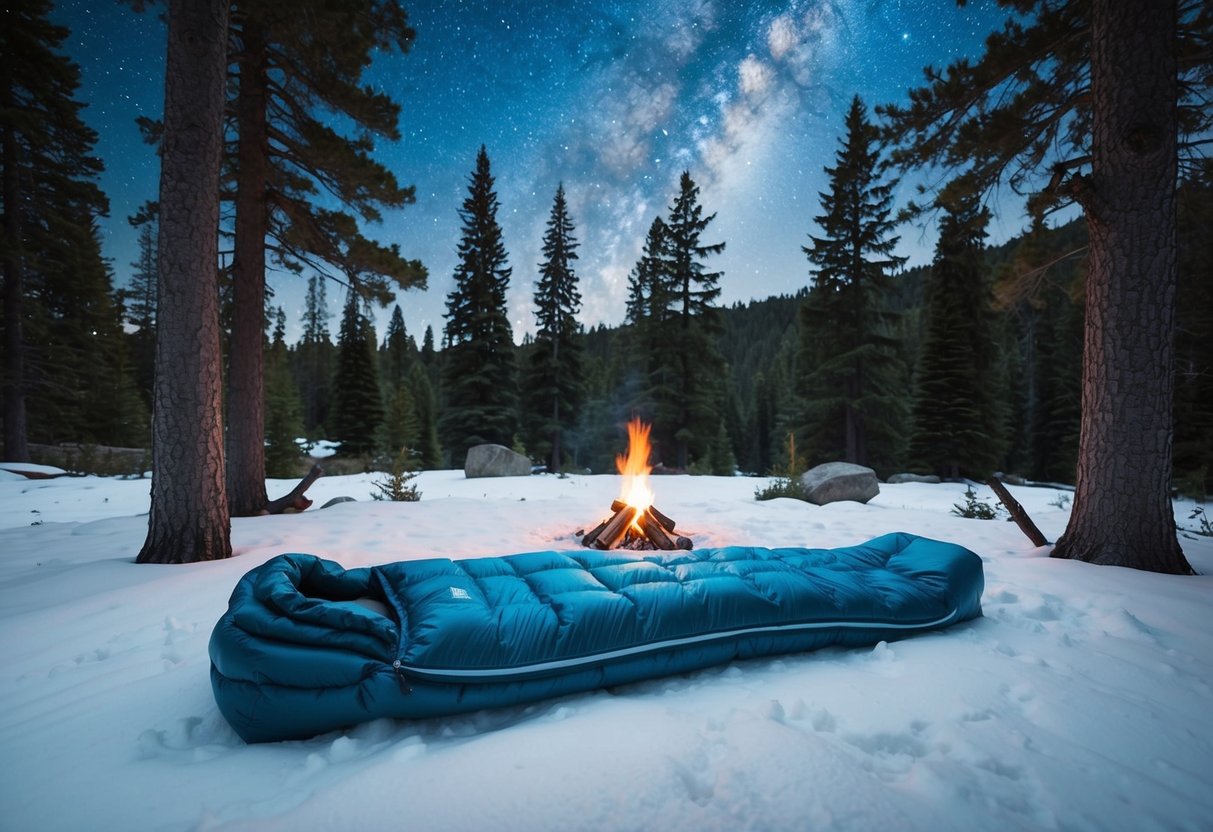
307, 646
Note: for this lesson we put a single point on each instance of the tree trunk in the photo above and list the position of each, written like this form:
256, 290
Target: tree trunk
1122, 513
246, 358
16, 441
189, 518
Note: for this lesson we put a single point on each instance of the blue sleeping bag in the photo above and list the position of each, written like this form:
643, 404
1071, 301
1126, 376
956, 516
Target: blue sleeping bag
307, 646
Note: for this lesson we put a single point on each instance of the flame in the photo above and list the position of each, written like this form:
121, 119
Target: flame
635, 468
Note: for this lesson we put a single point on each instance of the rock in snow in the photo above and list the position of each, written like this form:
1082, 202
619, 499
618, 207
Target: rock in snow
898, 479
495, 461
835, 481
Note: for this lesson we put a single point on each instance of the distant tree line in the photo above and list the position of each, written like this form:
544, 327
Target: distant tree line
980, 362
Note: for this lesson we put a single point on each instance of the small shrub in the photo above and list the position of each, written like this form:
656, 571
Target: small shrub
783, 487
787, 481
1061, 501
975, 509
397, 484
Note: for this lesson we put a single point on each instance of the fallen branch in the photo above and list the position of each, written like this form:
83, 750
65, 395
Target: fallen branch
1017, 513
295, 500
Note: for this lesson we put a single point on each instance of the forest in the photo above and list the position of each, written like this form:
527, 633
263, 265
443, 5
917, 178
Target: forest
971, 365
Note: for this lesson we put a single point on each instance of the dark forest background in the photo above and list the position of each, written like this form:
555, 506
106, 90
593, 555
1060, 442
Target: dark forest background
961, 368
94, 375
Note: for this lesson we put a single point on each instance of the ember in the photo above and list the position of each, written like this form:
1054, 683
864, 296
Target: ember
635, 523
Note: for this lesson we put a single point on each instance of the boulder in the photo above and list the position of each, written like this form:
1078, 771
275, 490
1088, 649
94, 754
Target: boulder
897, 479
495, 461
836, 481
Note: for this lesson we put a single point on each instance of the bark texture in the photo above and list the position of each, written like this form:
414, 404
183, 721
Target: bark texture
189, 518
246, 360
1122, 511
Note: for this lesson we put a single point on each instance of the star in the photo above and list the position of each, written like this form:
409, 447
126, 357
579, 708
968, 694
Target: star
612, 100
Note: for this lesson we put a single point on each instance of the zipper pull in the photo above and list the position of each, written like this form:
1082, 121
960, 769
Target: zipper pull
400, 677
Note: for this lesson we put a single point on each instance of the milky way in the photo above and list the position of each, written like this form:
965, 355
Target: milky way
613, 99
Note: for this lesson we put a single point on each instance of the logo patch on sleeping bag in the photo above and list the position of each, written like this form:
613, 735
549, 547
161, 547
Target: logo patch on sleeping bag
460, 592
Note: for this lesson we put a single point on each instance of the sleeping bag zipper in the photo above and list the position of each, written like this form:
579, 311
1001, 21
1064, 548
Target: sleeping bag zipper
401, 679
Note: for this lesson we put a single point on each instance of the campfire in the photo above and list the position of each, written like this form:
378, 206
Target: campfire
635, 523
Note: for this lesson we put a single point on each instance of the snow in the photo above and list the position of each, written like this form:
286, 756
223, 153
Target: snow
319, 449
1082, 700
13, 470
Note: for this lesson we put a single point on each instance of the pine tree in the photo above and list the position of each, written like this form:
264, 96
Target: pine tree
189, 519
1092, 102
956, 419
140, 299
357, 410
478, 362
651, 392
691, 349
1194, 336
849, 363
290, 78
50, 199
554, 386
426, 406
1058, 372
1040, 290
399, 351
427, 346
401, 427
140, 294
88, 383
763, 426
314, 360
283, 422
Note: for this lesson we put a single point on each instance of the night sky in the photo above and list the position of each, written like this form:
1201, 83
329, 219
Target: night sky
615, 99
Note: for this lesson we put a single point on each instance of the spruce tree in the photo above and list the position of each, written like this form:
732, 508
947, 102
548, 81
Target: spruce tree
956, 423
849, 366
554, 386
651, 392
427, 346
357, 409
478, 363
399, 351
50, 200
691, 352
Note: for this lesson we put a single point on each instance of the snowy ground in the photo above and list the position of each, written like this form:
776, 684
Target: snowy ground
1082, 700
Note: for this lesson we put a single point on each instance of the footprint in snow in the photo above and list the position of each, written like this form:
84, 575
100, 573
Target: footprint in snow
189, 739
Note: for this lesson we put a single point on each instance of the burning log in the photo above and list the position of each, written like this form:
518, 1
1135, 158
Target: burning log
654, 530
630, 527
665, 521
614, 529
592, 534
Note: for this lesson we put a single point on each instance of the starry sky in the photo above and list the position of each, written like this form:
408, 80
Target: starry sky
614, 99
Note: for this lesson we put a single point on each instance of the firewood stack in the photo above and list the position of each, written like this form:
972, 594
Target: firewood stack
619, 532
